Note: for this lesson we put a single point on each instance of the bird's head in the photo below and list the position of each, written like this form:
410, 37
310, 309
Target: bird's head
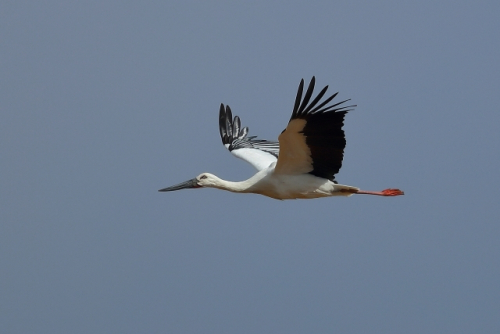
202, 180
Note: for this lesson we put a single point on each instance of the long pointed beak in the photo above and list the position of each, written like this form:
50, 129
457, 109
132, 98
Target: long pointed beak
184, 185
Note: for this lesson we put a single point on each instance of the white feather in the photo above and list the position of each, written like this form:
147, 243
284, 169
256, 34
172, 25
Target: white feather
257, 158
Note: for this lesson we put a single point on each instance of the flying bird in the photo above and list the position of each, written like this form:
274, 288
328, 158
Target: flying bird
304, 161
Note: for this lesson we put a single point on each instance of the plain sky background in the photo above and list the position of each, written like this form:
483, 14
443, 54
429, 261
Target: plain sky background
105, 102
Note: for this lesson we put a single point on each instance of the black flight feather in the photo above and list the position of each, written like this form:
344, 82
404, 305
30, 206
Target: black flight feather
323, 129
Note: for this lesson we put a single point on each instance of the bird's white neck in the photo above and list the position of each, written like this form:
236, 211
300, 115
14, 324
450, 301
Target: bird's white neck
247, 186
237, 187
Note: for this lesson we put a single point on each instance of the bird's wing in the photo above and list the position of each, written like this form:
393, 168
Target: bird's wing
313, 142
259, 153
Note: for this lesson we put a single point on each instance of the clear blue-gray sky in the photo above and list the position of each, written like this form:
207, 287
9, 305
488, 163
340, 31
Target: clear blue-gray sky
104, 102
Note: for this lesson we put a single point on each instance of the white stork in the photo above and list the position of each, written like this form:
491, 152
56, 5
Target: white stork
302, 164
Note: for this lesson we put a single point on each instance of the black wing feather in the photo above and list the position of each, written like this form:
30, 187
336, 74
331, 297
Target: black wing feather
323, 130
235, 137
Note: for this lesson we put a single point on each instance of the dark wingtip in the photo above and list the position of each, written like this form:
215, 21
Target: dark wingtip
303, 107
222, 123
298, 98
307, 96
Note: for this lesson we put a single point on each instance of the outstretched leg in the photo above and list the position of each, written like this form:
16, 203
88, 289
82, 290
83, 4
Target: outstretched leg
386, 192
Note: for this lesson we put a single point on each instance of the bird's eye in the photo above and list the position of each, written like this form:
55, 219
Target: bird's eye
203, 177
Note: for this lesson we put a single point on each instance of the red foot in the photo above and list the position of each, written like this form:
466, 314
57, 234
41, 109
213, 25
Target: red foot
386, 192
392, 192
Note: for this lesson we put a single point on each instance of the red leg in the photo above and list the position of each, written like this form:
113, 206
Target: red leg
386, 192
